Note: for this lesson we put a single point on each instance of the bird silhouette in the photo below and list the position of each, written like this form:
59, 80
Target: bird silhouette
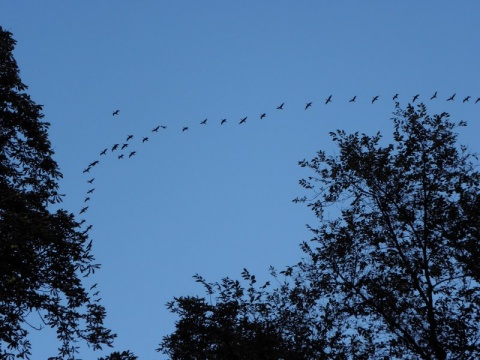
84, 209
91, 180
204, 122
89, 227
124, 146
415, 98
115, 146
116, 112
156, 129
395, 97
92, 164
132, 154
280, 107
91, 191
86, 199
375, 98
244, 120
129, 137
353, 99
120, 156
104, 152
434, 96
262, 116
466, 99
478, 99
308, 105
93, 286
87, 170
223, 121
185, 128
163, 126
81, 222
329, 99
452, 98
144, 139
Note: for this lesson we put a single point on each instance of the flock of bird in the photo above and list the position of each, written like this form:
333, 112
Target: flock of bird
120, 147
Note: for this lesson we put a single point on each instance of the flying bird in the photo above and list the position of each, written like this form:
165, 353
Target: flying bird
185, 128
84, 209
86, 170
120, 156
93, 163
204, 122
466, 99
395, 97
308, 105
81, 222
129, 137
434, 96
89, 227
263, 116
243, 120
93, 286
144, 139
91, 180
156, 129
132, 154
452, 98
116, 112
104, 152
163, 126
375, 98
223, 121
115, 146
280, 107
329, 99
478, 99
353, 99
124, 146
91, 191
86, 199
415, 98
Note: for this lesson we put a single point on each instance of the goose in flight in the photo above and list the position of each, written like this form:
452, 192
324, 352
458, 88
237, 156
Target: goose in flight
156, 129
129, 137
185, 128
434, 96
452, 98
204, 122
353, 99
466, 99
415, 98
84, 209
116, 112
262, 116
120, 156
329, 99
244, 120
132, 154
104, 152
395, 97
91, 191
93, 163
86, 199
81, 222
280, 107
163, 126
115, 146
144, 139
91, 180
89, 227
308, 105
124, 146
87, 170
223, 121
375, 98
478, 99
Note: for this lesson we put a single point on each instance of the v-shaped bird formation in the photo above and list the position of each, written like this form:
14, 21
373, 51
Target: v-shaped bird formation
119, 147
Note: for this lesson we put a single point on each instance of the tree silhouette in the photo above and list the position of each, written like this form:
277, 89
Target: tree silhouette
43, 254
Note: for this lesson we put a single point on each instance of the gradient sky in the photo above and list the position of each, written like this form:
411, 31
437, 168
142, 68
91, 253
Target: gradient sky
217, 198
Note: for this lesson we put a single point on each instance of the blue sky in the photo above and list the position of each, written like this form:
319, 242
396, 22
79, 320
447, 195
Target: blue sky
217, 198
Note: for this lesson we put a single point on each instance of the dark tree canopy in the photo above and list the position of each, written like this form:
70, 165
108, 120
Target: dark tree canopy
43, 254
395, 275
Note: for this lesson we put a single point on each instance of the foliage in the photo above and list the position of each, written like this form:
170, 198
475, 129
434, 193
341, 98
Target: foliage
124, 355
395, 275
43, 254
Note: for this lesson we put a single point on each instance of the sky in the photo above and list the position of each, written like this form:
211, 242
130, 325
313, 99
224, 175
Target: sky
215, 199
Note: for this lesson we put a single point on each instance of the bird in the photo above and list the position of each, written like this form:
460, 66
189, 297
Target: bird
156, 129
124, 146
395, 97
120, 156
89, 227
243, 120
144, 139
115, 146
86, 170
116, 112
86, 199
478, 99
308, 105
91, 180
280, 107
92, 164
104, 152
163, 126
185, 128
81, 222
353, 99
262, 116
452, 98
466, 99
415, 98
93, 286
84, 209
329, 99
132, 154
129, 137
204, 122
434, 96
375, 98
91, 191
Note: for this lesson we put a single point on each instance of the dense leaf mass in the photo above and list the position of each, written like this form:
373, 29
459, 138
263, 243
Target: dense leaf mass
394, 275
43, 254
